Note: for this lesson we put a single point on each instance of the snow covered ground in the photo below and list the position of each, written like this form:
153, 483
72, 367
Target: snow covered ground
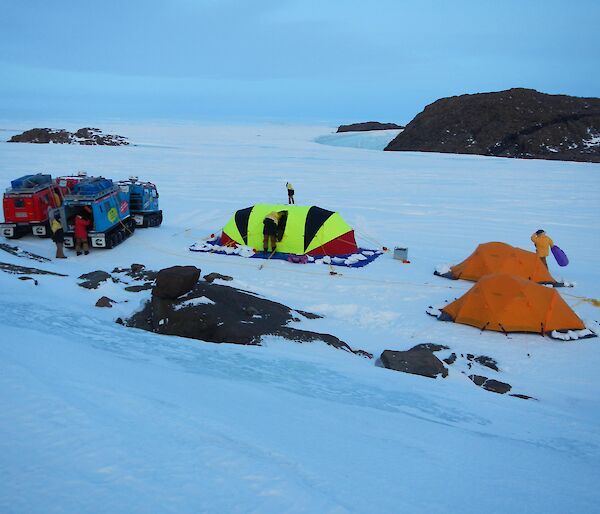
96, 417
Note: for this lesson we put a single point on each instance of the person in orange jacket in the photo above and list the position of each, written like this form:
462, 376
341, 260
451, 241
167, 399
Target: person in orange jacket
543, 244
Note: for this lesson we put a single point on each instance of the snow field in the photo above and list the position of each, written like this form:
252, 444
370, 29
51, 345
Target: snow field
95, 417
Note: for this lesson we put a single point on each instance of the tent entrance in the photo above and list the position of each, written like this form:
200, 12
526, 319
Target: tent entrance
281, 224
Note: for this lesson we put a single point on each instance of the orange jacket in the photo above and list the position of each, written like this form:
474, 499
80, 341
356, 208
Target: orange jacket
542, 244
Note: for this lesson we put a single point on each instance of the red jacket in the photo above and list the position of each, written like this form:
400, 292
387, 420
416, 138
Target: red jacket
81, 227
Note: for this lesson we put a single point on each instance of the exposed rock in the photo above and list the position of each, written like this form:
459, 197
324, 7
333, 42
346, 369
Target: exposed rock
171, 283
488, 362
22, 270
478, 379
309, 315
211, 277
419, 360
518, 122
137, 289
305, 336
484, 360
222, 314
489, 384
522, 396
431, 347
35, 282
137, 272
451, 359
93, 279
105, 301
19, 252
83, 136
368, 125
496, 386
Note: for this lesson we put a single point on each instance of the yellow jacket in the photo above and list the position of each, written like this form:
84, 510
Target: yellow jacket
273, 216
55, 225
289, 186
542, 244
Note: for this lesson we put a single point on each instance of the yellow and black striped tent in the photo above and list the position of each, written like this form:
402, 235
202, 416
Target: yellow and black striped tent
304, 230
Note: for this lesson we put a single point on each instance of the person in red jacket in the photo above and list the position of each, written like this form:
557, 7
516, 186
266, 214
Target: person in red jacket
81, 234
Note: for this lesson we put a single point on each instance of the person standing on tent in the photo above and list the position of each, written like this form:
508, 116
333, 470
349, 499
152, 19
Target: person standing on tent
58, 234
290, 190
542, 245
270, 223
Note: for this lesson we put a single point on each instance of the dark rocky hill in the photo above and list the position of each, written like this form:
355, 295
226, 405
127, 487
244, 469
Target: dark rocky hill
368, 125
518, 122
83, 136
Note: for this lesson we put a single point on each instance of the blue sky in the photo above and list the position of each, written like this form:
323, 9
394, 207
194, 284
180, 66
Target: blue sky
330, 61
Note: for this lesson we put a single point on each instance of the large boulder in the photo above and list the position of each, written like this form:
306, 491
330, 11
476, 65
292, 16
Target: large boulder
514, 123
419, 360
171, 283
105, 301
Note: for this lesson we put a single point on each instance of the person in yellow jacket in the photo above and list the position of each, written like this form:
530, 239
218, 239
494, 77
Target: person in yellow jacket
543, 244
271, 223
290, 190
58, 235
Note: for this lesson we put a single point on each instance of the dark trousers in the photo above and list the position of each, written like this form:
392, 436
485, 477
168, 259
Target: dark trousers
81, 243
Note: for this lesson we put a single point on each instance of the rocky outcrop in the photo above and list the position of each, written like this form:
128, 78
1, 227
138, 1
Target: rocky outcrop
489, 384
93, 279
23, 270
368, 125
521, 123
83, 136
19, 252
419, 360
222, 314
211, 277
137, 272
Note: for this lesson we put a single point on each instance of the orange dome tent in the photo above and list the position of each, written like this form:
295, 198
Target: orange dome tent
505, 303
501, 258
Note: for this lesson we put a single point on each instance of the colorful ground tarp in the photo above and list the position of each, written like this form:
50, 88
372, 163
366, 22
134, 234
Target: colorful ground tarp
360, 258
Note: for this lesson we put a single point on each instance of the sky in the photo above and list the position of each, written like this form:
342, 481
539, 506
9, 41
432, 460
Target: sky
287, 60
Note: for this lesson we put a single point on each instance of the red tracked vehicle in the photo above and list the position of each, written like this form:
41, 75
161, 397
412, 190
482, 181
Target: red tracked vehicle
26, 205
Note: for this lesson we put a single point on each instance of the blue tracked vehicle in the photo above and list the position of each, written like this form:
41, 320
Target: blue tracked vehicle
106, 204
143, 202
